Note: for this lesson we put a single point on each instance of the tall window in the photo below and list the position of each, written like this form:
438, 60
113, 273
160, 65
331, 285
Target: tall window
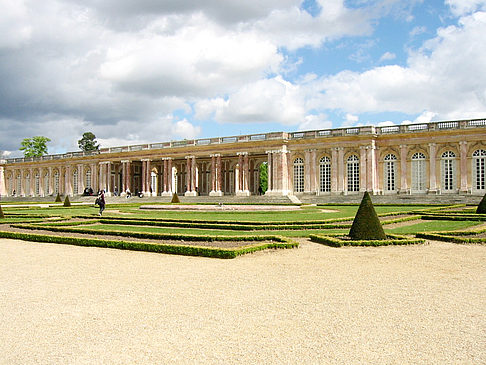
353, 173
448, 170
324, 175
299, 175
75, 181
390, 172
479, 159
27, 185
88, 178
19, 185
56, 182
418, 172
37, 184
153, 181
46, 183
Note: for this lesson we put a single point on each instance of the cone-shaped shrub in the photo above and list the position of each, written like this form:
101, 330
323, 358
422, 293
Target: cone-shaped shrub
58, 198
175, 198
366, 225
1, 213
482, 206
67, 203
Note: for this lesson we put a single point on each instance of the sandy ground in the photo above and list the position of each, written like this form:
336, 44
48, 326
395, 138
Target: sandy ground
423, 304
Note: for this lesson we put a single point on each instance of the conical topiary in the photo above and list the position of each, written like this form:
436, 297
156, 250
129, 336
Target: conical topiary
1, 213
366, 225
58, 198
67, 203
482, 206
175, 198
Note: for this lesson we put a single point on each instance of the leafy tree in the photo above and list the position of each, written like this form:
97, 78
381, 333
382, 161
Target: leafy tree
264, 177
35, 146
88, 142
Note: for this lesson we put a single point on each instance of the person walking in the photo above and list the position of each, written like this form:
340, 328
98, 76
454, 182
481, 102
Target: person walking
101, 201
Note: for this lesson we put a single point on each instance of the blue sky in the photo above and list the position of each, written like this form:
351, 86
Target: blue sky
151, 71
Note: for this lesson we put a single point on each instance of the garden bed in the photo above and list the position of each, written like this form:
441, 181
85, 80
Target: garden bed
339, 240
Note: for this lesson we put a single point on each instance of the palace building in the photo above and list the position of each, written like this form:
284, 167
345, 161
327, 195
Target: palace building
447, 157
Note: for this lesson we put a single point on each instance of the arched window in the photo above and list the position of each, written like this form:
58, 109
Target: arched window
390, 172
418, 173
448, 170
353, 173
299, 175
56, 182
37, 184
479, 162
46, 183
324, 175
19, 185
153, 182
27, 185
88, 178
75, 181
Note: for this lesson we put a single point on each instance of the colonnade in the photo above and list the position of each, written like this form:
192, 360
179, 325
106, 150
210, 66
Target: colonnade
447, 166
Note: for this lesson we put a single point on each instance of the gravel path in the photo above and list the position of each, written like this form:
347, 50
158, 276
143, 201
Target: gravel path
423, 304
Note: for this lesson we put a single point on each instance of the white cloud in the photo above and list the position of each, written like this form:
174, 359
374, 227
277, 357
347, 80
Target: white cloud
15, 29
463, 7
387, 56
266, 100
315, 122
444, 77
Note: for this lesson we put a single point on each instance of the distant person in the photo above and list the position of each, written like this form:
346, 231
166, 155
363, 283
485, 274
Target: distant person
101, 201
129, 194
13, 193
115, 192
260, 190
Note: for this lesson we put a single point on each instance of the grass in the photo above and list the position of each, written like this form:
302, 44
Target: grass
436, 225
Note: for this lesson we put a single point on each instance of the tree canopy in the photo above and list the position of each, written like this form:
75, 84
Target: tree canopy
35, 146
88, 142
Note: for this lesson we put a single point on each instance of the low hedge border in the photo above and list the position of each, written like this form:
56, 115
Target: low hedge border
315, 224
152, 247
335, 241
156, 236
454, 217
448, 238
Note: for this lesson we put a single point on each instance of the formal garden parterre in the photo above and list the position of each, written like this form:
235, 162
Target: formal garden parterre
227, 234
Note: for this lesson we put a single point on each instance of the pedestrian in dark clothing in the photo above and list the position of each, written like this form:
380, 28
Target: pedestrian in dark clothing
101, 201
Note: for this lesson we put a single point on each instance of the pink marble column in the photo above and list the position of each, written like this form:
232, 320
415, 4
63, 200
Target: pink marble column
219, 174
463, 168
432, 168
403, 169
188, 174
371, 184
148, 183
362, 168
245, 172
313, 172
193, 174
213, 173
101, 176
108, 178
307, 171
269, 171
51, 180
341, 172
334, 170
169, 176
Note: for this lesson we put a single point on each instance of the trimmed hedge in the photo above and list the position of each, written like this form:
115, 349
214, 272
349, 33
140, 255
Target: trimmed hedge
214, 252
2, 216
147, 235
366, 225
391, 239
482, 206
455, 236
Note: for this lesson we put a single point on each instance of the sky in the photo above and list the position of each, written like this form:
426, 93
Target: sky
148, 71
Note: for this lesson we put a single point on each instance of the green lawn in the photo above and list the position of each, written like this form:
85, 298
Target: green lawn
435, 225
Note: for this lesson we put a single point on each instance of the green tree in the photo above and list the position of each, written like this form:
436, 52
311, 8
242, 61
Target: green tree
35, 146
264, 177
88, 142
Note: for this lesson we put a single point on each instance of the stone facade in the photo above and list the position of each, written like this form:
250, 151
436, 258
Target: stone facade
432, 158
